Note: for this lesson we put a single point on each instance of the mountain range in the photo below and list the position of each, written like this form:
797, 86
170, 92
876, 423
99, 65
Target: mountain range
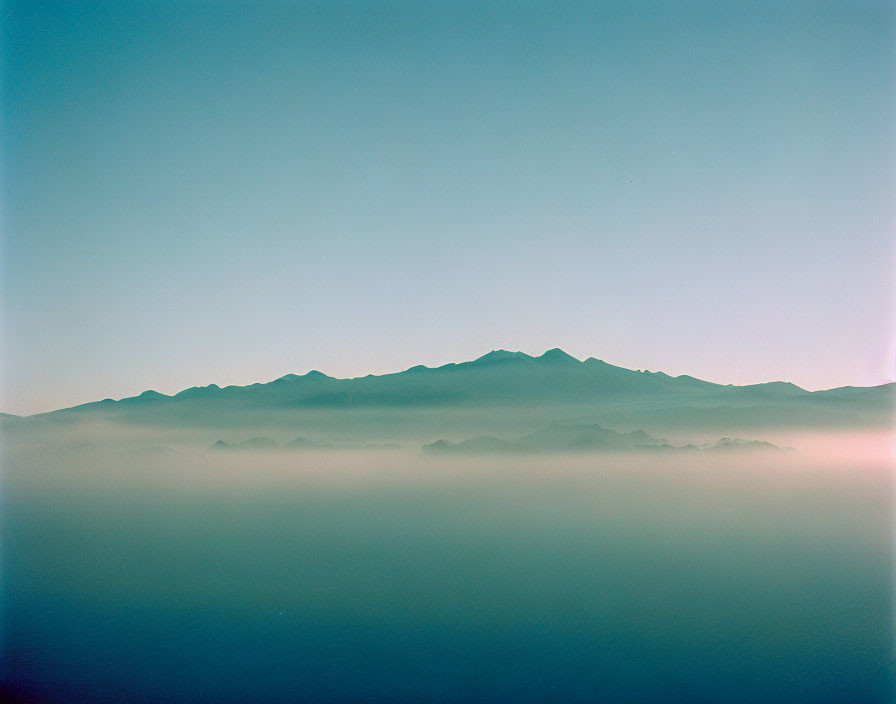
504, 393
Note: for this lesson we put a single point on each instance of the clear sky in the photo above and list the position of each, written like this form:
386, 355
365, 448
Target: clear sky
228, 192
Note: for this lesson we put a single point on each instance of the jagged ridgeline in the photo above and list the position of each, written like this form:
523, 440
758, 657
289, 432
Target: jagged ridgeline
501, 394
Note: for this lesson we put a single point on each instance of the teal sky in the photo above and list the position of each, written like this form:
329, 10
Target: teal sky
227, 192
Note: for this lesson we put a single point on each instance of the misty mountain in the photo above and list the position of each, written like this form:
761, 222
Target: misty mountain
736, 444
516, 389
584, 438
565, 438
251, 445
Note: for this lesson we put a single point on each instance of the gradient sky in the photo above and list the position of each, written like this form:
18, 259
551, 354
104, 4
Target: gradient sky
228, 192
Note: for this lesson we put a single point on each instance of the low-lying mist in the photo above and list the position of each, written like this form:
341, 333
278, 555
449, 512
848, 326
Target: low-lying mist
140, 566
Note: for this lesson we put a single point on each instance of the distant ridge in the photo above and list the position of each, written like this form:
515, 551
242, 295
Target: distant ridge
586, 438
554, 382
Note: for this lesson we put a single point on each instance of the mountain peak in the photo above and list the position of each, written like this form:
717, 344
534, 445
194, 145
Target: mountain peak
198, 391
557, 355
500, 356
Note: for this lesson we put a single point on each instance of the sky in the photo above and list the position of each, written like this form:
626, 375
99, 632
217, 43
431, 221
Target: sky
210, 192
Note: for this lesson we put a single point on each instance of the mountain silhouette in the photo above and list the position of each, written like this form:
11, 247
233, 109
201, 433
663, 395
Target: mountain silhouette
524, 390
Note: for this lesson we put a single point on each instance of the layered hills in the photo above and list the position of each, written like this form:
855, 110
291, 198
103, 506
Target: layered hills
564, 438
